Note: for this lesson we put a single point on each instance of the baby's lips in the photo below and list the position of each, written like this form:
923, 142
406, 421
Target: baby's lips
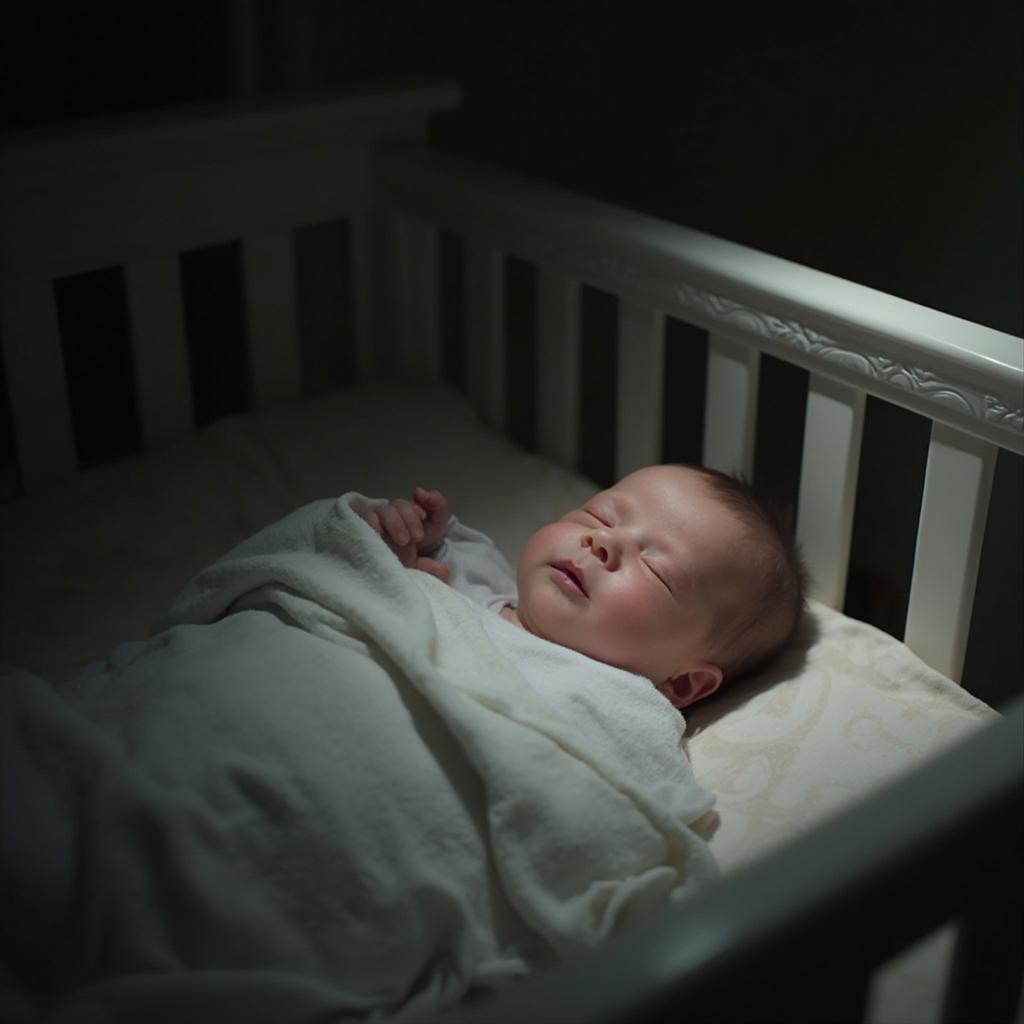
582, 577
571, 569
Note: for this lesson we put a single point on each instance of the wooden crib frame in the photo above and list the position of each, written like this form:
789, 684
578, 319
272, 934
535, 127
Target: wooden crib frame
137, 192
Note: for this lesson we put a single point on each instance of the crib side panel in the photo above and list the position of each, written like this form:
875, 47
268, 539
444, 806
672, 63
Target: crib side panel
139, 191
149, 222
875, 343
851, 343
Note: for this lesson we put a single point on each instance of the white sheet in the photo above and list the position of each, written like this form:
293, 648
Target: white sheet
97, 559
322, 770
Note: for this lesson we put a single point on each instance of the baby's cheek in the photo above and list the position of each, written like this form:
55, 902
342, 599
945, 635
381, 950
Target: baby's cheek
553, 533
633, 624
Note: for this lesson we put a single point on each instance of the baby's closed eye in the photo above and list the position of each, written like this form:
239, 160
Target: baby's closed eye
658, 574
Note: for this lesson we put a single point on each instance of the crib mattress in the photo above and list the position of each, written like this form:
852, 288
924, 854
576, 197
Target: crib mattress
99, 558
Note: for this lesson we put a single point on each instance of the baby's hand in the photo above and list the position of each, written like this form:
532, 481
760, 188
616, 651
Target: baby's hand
434, 506
412, 527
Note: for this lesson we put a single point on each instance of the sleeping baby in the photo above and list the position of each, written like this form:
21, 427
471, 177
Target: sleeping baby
335, 788
682, 575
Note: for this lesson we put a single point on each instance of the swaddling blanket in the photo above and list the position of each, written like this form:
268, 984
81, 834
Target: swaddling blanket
320, 789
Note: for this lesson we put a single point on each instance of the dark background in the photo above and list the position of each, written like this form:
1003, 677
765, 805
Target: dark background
880, 142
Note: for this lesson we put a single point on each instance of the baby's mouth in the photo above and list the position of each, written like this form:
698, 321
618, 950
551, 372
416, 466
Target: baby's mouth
571, 576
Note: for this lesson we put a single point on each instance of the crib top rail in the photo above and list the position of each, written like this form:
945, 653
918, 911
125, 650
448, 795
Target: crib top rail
125, 143
947, 368
77, 196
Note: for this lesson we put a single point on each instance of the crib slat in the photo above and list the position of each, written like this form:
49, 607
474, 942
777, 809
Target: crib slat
362, 288
558, 343
833, 427
419, 336
730, 406
985, 981
271, 318
36, 382
639, 388
957, 484
158, 349
485, 356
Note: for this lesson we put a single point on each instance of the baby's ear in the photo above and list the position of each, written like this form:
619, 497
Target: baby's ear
688, 688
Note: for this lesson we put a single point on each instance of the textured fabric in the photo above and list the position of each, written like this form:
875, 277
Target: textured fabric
621, 713
843, 711
322, 777
479, 570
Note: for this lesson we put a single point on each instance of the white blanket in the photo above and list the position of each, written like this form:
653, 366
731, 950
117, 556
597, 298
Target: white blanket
319, 789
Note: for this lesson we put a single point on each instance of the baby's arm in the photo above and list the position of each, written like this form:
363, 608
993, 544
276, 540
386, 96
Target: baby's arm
414, 529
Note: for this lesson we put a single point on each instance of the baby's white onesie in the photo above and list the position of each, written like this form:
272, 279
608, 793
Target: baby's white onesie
622, 712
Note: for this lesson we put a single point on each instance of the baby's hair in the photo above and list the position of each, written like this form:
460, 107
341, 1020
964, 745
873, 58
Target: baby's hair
761, 629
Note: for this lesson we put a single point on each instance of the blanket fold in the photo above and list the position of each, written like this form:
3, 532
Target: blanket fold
319, 769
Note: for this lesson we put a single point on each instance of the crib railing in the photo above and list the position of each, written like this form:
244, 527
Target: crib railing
136, 192
137, 196
854, 341
797, 935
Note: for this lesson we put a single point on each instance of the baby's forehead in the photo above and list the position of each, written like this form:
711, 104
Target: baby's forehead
684, 497
671, 480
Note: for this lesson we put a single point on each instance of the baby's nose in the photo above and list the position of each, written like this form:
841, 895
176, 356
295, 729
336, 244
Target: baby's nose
602, 549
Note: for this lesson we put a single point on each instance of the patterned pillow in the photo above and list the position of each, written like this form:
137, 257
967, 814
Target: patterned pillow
842, 712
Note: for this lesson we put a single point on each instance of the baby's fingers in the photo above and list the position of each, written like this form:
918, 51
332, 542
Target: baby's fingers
434, 505
373, 519
401, 521
434, 568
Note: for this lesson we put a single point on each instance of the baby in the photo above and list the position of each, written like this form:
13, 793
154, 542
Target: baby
678, 574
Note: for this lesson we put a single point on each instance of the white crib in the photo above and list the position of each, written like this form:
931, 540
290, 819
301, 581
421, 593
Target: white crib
796, 935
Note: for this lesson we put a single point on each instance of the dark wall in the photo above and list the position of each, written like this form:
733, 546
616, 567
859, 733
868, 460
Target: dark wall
880, 142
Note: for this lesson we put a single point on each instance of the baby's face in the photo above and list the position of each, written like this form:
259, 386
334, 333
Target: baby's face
635, 577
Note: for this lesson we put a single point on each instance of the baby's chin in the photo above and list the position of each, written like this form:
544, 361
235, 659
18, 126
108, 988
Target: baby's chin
539, 626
